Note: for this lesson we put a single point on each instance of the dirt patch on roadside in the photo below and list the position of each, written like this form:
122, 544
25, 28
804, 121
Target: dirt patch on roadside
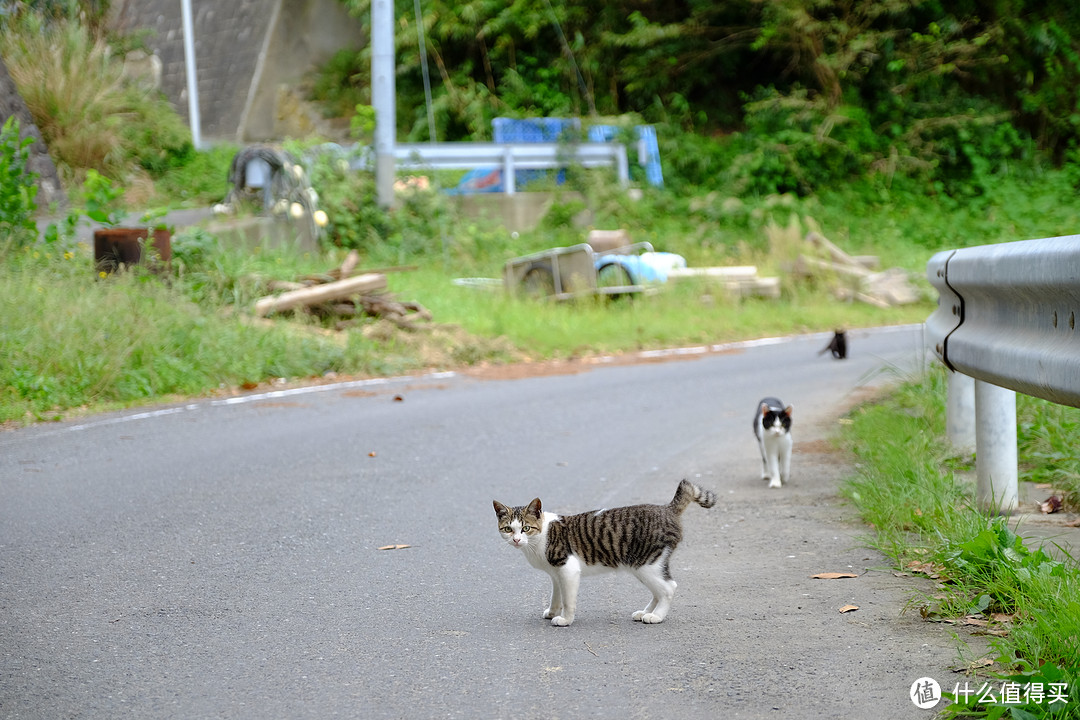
545, 368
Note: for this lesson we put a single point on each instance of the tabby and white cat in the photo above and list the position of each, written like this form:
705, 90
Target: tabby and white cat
772, 428
638, 538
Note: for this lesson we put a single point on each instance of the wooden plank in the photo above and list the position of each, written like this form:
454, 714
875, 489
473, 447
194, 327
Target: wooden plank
359, 285
725, 273
806, 265
349, 264
816, 238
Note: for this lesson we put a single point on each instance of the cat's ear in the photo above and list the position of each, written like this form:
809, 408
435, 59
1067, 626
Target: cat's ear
764, 409
787, 410
500, 509
534, 507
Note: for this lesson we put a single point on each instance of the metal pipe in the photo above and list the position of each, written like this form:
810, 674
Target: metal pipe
960, 413
382, 98
192, 75
995, 448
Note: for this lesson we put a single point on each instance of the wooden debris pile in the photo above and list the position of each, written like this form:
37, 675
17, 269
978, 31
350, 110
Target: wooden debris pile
854, 277
339, 294
736, 280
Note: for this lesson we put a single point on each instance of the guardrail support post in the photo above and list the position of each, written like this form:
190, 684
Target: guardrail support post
960, 413
509, 172
995, 448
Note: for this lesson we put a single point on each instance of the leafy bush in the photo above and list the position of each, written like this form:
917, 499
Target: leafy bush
17, 189
349, 198
200, 179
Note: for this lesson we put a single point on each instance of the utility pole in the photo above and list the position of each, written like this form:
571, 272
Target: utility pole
192, 74
382, 98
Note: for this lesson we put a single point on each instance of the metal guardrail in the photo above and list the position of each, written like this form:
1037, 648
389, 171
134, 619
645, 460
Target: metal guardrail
512, 157
1007, 315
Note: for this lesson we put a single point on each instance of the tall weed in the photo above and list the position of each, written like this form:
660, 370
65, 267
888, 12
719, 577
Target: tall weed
923, 517
89, 114
17, 189
130, 338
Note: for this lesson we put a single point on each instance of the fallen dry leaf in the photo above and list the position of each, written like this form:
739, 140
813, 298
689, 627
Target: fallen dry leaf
249, 385
394, 547
982, 662
398, 398
833, 575
930, 570
371, 454
849, 608
996, 632
1051, 504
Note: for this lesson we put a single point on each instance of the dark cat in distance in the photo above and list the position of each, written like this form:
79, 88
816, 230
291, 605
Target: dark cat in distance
837, 346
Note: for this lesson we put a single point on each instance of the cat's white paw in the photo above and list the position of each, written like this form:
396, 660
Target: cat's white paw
560, 621
551, 612
774, 483
651, 618
638, 615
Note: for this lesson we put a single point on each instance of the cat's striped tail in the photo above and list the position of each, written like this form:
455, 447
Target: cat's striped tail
689, 492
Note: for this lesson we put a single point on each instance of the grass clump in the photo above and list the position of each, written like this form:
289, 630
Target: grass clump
132, 338
909, 489
91, 116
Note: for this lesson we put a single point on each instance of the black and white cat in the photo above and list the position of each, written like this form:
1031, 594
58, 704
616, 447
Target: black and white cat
638, 538
772, 428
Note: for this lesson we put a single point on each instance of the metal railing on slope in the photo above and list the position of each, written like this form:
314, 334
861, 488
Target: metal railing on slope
1007, 315
1005, 323
513, 157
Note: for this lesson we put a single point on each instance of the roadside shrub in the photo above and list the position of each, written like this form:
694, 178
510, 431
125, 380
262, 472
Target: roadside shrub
17, 189
89, 114
202, 178
793, 143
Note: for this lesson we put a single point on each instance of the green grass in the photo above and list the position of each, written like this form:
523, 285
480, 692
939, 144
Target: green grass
923, 517
689, 313
134, 338
73, 341
193, 334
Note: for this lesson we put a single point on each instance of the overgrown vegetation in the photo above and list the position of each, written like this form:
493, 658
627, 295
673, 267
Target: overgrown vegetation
911, 491
809, 148
947, 96
90, 114
17, 188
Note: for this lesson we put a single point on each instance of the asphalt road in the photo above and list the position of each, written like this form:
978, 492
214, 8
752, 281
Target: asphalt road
220, 559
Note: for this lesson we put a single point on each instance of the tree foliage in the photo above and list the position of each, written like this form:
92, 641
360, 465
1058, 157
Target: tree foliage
813, 90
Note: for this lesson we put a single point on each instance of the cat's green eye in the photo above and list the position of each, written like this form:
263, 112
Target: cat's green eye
525, 528
506, 529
